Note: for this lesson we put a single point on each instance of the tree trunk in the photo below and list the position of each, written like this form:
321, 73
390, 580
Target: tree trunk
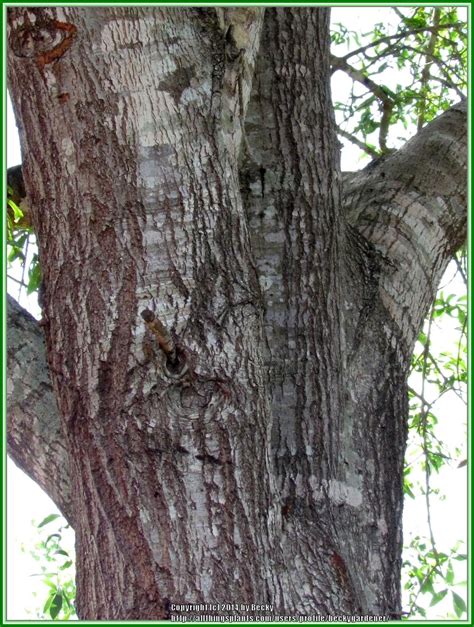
228, 338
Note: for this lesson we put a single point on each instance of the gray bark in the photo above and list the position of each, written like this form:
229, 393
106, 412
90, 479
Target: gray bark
268, 418
341, 316
34, 436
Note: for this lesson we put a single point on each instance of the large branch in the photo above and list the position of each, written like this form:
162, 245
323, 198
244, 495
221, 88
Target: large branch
411, 206
34, 437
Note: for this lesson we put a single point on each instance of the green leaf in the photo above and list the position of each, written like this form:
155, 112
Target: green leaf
50, 537
66, 565
61, 552
438, 596
47, 520
422, 338
17, 212
459, 604
15, 253
427, 586
21, 240
56, 605
420, 610
49, 600
34, 278
450, 574
407, 489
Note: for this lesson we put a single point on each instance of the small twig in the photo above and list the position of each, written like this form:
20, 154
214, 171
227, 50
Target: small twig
422, 583
340, 63
161, 333
397, 47
401, 35
370, 151
399, 14
420, 397
448, 85
443, 67
461, 270
442, 375
458, 359
12, 278
424, 415
425, 73
24, 266
424, 423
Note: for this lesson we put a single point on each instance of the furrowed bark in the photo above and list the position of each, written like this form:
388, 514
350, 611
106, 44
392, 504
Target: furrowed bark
410, 210
228, 332
169, 470
293, 201
355, 505
412, 207
407, 226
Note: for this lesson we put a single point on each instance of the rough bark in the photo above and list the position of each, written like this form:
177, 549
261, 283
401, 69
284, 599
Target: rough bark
338, 353
34, 436
411, 206
299, 239
167, 235
228, 337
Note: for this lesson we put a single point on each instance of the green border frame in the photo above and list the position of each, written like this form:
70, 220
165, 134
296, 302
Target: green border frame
203, 3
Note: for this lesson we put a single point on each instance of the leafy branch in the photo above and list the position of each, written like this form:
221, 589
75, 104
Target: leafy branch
404, 34
57, 569
429, 571
409, 76
425, 74
20, 236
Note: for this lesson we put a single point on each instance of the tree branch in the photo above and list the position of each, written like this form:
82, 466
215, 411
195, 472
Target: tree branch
34, 437
411, 206
352, 138
405, 33
444, 68
339, 63
387, 102
425, 73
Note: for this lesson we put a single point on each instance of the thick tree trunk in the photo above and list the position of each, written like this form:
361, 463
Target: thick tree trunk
224, 343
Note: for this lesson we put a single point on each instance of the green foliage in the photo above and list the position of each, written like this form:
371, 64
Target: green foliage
403, 73
430, 579
47, 520
438, 375
56, 569
20, 240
